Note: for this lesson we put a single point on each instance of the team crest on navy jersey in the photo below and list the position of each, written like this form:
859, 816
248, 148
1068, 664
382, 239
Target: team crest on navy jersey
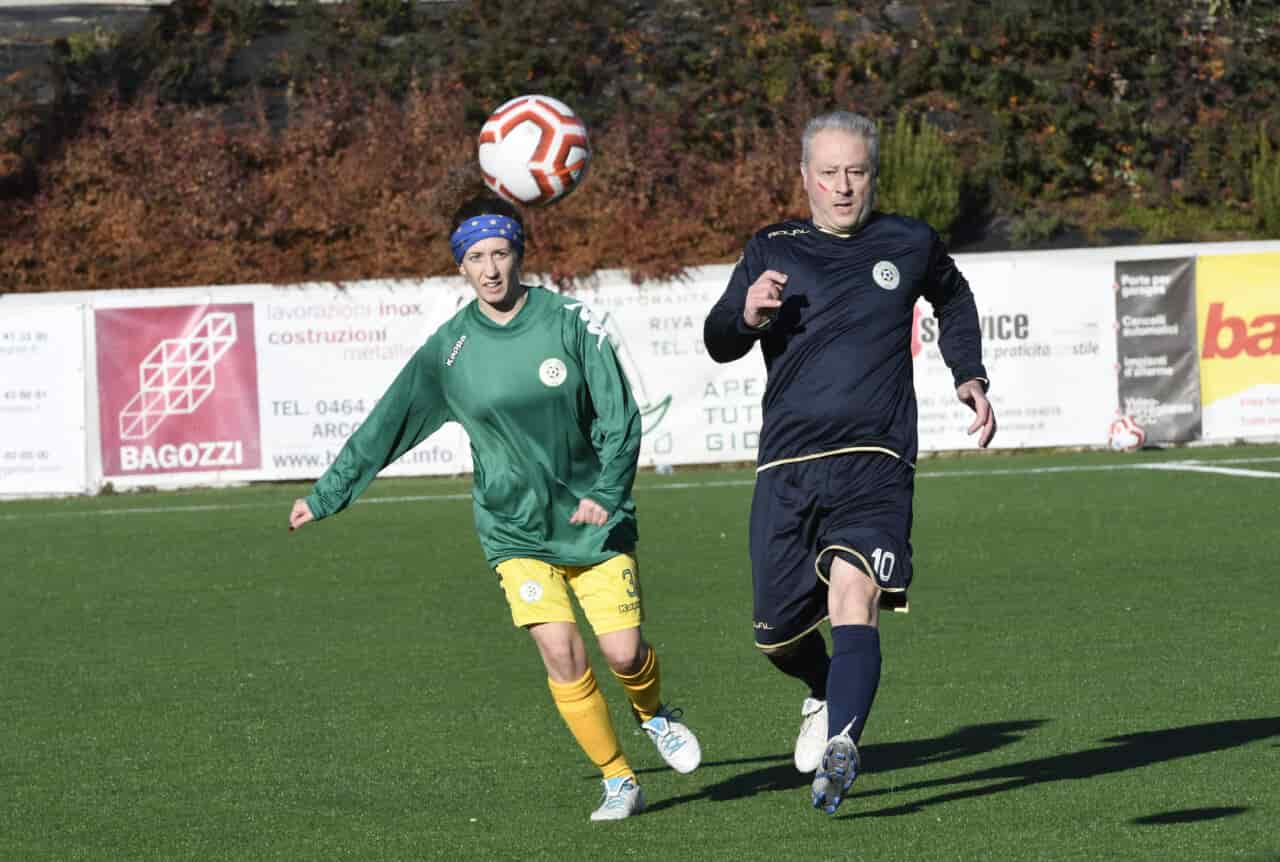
886, 274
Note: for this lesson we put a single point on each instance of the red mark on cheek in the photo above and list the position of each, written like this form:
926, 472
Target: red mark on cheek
821, 186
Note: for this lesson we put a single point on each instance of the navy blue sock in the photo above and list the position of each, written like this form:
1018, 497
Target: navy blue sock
807, 661
854, 677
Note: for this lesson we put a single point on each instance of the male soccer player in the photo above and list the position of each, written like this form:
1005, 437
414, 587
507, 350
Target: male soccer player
830, 299
555, 436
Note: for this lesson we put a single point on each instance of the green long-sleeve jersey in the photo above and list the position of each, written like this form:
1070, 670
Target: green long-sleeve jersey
551, 420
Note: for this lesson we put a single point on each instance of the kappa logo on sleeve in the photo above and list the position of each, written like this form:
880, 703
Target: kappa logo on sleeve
595, 327
453, 354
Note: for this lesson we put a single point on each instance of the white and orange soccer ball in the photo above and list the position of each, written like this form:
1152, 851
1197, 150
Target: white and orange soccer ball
533, 150
1126, 435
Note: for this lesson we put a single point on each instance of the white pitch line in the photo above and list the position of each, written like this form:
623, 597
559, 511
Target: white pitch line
1190, 466
418, 498
142, 510
1255, 460
225, 507
1200, 467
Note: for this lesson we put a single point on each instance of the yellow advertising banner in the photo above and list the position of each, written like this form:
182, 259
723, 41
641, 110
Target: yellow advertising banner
1238, 319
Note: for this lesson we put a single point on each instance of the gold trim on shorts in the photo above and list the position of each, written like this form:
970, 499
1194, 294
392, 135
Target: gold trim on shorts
892, 598
768, 648
845, 451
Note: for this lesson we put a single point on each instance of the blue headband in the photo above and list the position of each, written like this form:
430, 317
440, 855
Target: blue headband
481, 227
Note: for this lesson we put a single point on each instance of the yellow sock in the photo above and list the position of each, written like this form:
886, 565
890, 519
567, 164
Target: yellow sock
583, 708
644, 687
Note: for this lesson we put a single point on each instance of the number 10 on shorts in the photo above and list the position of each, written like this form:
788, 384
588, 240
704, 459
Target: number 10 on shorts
882, 561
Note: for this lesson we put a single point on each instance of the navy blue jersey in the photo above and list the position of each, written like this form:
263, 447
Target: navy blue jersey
838, 353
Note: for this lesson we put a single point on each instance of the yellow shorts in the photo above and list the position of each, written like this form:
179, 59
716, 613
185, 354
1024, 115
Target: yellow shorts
608, 592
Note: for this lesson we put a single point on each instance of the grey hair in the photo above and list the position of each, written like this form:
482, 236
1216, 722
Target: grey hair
842, 121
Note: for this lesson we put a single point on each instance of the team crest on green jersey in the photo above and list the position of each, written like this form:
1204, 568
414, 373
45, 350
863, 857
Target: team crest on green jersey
552, 372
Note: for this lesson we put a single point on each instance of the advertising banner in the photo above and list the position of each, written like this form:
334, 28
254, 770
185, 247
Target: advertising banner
42, 406
1157, 373
243, 383
1238, 309
1047, 346
327, 354
694, 411
178, 389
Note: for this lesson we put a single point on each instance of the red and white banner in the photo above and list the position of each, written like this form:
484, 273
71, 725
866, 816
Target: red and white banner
178, 389
42, 406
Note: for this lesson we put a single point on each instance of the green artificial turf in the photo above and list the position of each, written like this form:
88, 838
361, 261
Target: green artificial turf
1089, 671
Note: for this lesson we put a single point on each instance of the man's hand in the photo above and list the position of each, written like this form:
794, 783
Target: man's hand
972, 393
589, 512
764, 298
301, 514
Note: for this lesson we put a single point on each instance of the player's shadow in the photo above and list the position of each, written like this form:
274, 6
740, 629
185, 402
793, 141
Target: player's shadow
1118, 754
1189, 815
781, 774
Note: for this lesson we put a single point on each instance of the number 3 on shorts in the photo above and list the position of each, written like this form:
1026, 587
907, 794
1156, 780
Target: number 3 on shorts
629, 576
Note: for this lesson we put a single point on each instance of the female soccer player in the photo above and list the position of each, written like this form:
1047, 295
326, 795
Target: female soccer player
555, 437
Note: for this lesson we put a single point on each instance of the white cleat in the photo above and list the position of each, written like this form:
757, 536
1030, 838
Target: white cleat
622, 798
812, 741
673, 739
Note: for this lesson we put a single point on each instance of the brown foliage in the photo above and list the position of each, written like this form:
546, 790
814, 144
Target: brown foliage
148, 195
362, 187
1151, 108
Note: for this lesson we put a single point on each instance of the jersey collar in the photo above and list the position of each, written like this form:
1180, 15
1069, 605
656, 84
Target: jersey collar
842, 234
526, 312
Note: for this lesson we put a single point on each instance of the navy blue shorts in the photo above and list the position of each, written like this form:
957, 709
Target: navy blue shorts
855, 506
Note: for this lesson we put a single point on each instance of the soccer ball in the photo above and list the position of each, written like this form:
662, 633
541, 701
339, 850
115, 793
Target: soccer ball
1126, 435
533, 150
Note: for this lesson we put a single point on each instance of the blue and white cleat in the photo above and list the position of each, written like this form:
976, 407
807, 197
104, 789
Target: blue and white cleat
836, 774
673, 739
622, 798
